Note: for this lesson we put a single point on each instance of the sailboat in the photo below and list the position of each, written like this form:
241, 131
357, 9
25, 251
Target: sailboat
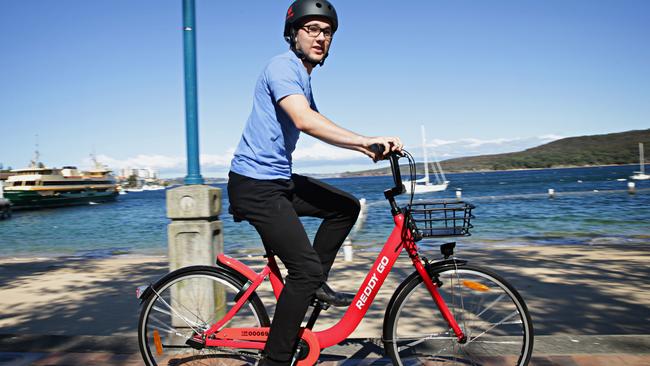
641, 175
424, 185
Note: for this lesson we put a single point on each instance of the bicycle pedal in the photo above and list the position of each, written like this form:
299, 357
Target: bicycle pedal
302, 350
320, 304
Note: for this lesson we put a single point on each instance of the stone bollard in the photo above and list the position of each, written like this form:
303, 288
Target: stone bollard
631, 188
194, 238
459, 194
551, 193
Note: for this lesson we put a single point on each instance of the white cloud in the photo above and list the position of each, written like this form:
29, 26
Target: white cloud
219, 161
470, 146
320, 151
161, 163
318, 156
551, 137
153, 161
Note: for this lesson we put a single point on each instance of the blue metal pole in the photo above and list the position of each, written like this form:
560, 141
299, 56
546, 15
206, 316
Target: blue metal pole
191, 102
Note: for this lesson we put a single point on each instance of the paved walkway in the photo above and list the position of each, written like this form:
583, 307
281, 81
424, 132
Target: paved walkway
615, 350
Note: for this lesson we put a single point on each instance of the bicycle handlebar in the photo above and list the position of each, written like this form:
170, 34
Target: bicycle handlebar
394, 157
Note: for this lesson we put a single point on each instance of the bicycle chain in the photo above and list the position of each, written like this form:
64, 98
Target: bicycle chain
257, 356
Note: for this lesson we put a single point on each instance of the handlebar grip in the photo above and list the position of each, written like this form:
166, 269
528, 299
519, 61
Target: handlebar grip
394, 167
397, 175
377, 148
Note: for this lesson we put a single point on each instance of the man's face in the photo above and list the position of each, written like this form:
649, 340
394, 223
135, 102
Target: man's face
314, 39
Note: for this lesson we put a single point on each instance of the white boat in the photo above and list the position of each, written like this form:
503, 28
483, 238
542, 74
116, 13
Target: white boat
145, 187
641, 175
152, 187
424, 185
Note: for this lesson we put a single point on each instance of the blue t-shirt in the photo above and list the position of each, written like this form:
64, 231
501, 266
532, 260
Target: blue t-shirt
270, 136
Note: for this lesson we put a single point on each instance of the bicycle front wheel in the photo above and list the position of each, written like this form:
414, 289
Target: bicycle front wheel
186, 303
490, 312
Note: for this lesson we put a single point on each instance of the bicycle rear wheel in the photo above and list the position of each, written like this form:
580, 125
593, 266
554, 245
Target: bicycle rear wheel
202, 296
489, 311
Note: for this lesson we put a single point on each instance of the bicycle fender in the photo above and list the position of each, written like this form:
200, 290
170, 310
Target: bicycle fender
230, 273
235, 266
430, 267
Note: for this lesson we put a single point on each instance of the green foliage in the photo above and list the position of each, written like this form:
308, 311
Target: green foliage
608, 149
614, 148
132, 181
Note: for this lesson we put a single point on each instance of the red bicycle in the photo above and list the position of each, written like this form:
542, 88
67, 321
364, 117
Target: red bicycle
447, 312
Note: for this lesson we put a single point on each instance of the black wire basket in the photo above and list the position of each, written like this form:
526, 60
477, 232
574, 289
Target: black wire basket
441, 218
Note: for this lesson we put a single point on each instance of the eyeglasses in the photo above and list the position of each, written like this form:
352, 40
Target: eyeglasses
314, 31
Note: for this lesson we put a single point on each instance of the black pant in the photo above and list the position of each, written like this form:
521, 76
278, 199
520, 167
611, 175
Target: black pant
273, 207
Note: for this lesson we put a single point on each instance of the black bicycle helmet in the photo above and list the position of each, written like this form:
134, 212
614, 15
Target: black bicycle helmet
301, 9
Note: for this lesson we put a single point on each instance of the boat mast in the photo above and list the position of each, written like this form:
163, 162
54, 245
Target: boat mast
641, 160
424, 151
37, 155
440, 174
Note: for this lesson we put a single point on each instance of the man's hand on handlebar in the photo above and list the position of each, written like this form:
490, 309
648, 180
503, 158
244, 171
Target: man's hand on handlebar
378, 148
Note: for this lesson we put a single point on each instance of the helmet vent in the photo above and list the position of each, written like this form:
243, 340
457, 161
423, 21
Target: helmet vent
319, 5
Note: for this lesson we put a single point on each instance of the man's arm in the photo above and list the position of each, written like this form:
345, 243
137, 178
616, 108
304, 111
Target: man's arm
315, 124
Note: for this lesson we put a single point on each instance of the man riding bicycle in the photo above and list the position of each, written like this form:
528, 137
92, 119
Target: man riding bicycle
263, 190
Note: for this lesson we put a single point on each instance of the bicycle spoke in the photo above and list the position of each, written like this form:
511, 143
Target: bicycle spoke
495, 342
493, 322
419, 340
514, 313
165, 328
490, 305
185, 304
174, 311
170, 314
193, 314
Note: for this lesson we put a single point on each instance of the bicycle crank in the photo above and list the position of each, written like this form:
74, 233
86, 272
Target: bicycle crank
307, 337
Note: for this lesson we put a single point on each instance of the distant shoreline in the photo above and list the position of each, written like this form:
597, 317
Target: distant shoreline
388, 174
353, 175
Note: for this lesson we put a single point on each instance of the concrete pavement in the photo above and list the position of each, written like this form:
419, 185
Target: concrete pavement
555, 350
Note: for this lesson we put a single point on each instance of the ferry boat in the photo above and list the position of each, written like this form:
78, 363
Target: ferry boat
38, 186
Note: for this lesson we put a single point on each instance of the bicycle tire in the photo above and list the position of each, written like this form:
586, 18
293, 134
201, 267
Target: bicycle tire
489, 310
165, 325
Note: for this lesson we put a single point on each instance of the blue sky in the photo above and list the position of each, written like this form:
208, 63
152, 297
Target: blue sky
482, 76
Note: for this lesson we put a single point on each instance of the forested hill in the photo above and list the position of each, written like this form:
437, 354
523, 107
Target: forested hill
613, 148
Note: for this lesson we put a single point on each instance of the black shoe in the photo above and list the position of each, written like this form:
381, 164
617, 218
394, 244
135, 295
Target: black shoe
326, 294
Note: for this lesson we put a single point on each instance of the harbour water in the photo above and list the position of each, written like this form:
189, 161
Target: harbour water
591, 205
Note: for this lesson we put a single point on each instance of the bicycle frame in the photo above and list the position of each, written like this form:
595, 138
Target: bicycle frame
254, 338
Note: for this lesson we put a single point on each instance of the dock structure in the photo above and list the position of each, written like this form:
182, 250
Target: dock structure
5, 204
5, 208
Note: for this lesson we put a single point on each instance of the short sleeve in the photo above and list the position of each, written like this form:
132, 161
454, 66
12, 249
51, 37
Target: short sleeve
283, 79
